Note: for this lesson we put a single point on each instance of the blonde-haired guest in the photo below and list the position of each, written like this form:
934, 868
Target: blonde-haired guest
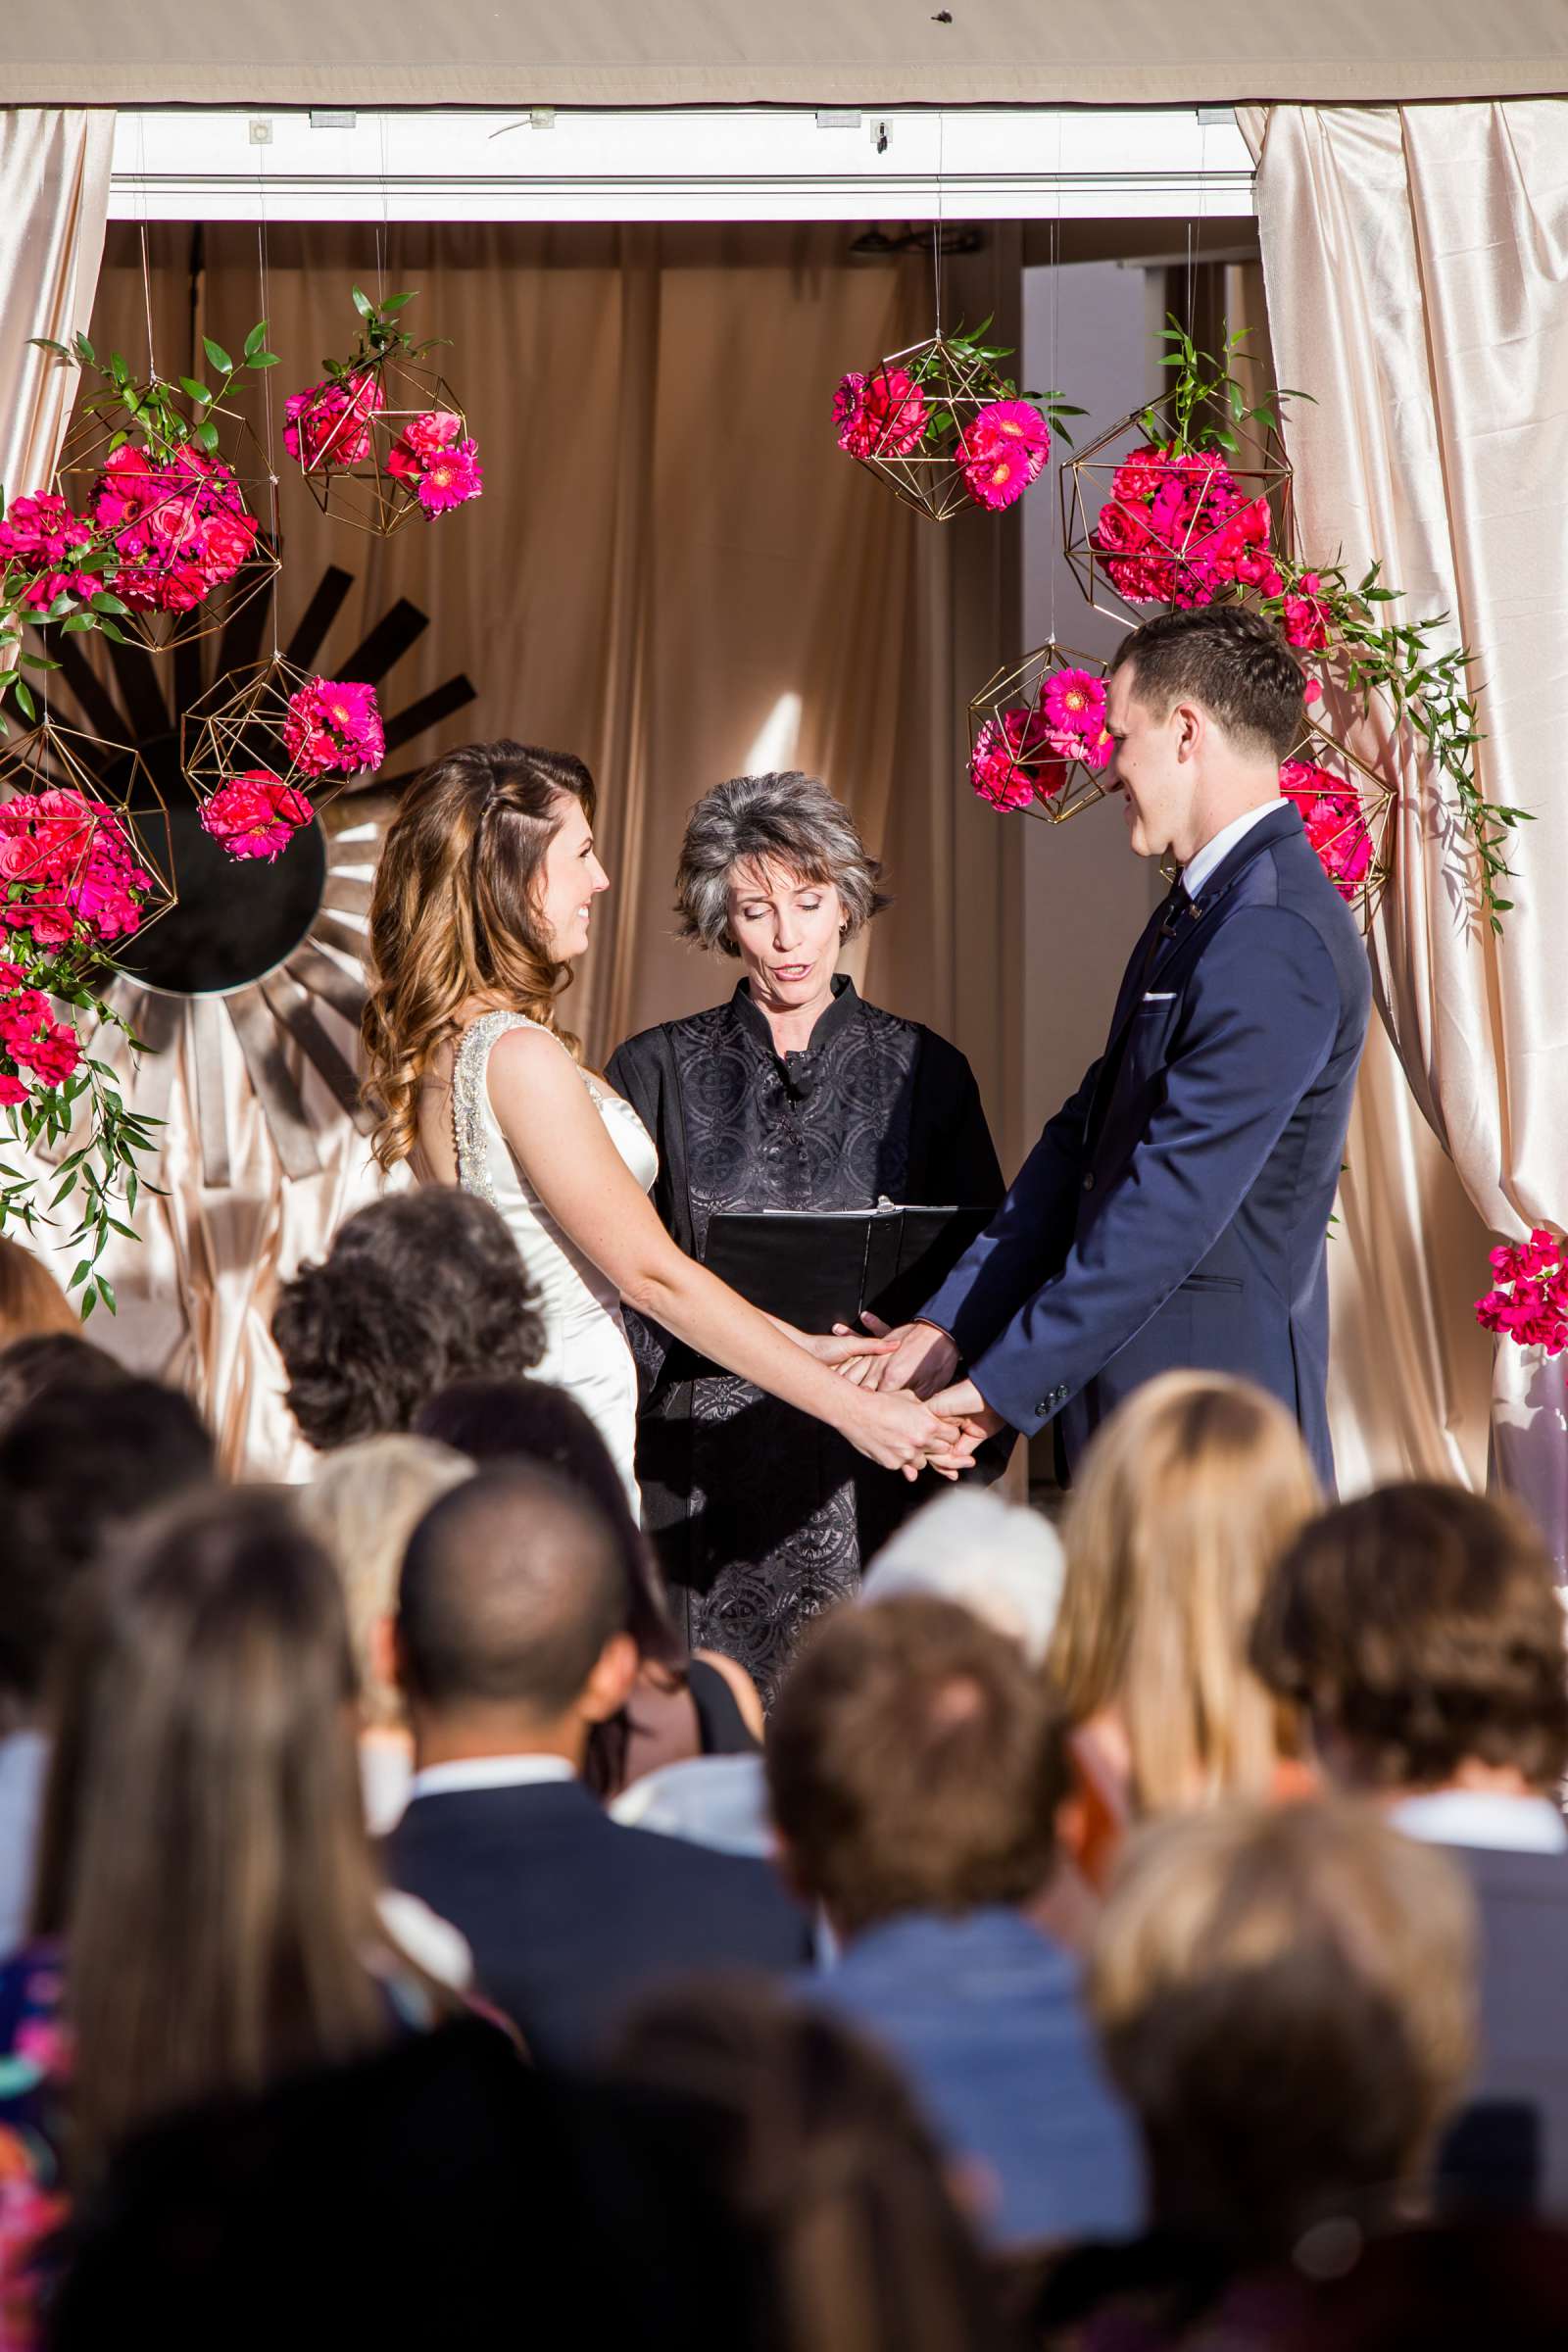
31, 1300
1285, 1997
362, 1505
1188, 1495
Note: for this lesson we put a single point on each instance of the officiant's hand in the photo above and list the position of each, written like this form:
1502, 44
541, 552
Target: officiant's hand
965, 1405
923, 1359
838, 1348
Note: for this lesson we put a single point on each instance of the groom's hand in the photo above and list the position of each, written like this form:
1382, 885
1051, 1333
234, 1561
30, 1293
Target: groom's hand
924, 1359
965, 1405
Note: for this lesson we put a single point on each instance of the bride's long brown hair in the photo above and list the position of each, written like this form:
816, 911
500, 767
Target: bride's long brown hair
454, 913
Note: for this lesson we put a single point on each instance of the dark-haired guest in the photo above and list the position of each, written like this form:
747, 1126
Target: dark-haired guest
52, 1359
417, 1290
92, 1448
1421, 1630
796, 1094
512, 1642
682, 1706
916, 1765
1285, 1998
788, 2156
206, 1919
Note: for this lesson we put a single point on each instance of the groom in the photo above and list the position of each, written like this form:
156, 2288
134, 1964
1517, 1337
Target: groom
1174, 1211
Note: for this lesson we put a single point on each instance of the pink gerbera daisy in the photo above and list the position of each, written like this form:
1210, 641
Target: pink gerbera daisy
450, 477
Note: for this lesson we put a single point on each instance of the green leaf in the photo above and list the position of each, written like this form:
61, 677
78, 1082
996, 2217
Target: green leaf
89, 1300
390, 310
217, 355
198, 391
114, 634
103, 601
265, 359
362, 302
206, 437
255, 340
25, 702
105, 1289
85, 351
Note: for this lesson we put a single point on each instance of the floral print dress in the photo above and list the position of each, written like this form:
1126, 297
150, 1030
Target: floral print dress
34, 2068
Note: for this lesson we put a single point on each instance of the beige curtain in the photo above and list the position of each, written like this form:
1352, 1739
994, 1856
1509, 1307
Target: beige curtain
54, 201
1416, 262
674, 571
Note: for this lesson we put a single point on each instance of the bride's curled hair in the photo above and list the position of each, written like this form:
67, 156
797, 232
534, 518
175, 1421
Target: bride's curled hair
454, 913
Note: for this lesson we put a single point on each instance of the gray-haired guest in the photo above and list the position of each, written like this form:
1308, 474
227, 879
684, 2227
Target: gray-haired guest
795, 1095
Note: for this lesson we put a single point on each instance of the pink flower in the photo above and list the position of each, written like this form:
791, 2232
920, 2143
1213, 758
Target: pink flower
1335, 825
1312, 691
329, 424
450, 478
1306, 617
880, 416
1014, 761
1002, 450
256, 814
12, 1091
1533, 1314
331, 726
42, 532
178, 525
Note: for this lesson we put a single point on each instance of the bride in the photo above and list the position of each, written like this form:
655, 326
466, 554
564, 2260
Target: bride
482, 903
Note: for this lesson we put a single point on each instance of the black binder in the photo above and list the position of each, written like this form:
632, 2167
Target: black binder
815, 1268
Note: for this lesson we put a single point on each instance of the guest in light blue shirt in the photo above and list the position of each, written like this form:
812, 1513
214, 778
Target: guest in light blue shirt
916, 1765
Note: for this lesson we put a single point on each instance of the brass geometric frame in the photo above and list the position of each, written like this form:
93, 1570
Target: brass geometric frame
1020, 687
1258, 468
240, 453
362, 492
51, 758
233, 727
955, 382
1368, 802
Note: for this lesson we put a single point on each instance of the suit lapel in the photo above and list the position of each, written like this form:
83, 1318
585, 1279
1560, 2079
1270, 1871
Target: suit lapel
1194, 927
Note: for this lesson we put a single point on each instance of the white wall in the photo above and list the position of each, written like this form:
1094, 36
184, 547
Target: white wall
1086, 897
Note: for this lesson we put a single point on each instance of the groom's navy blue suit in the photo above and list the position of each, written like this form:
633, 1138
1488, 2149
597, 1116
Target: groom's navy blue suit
1174, 1213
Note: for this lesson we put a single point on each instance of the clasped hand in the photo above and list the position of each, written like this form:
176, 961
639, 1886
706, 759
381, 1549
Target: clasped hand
921, 1357
891, 1422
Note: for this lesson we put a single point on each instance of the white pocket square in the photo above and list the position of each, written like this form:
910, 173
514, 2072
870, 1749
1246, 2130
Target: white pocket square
1161, 996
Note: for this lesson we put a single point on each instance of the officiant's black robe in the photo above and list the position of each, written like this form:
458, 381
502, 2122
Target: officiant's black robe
762, 1514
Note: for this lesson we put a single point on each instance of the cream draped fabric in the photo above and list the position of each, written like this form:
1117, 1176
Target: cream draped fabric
1417, 271
672, 571
54, 202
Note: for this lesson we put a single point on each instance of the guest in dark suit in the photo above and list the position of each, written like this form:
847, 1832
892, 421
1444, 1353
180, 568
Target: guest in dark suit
1421, 1630
1175, 1209
916, 1763
511, 1643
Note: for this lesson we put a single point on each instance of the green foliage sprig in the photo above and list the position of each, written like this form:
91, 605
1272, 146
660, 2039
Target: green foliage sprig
381, 338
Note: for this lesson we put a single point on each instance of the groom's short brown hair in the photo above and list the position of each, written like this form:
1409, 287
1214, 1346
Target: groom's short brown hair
1233, 661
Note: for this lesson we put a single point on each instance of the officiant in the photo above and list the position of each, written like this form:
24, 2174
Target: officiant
795, 1095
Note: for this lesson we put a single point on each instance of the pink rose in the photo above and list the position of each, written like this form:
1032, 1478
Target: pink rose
256, 814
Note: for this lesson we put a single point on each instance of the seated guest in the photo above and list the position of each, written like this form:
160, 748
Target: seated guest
362, 1503
997, 1558
205, 1915
52, 1359
31, 1301
1421, 1631
915, 1766
1186, 1498
1283, 1995
416, 1289
86, 1454
681, 1706
787, 2157
511, 1643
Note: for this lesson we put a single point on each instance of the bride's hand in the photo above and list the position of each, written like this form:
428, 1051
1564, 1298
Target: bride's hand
836, 1348
894, 1429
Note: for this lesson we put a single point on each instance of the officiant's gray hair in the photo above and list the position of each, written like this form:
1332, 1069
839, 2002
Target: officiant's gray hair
787, 821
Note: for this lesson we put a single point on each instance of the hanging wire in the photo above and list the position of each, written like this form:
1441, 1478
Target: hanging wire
383, 233
1057, 547
267, 385
936, 232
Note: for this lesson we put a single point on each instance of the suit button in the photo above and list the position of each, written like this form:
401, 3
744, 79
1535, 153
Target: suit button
1089, 1182
1044, 1407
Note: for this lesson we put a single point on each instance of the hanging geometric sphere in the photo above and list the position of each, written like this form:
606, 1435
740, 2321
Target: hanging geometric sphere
265, 743
384, 441
189, 550
1348, 810
943, 429
1147, 523
1037, 735
105, 871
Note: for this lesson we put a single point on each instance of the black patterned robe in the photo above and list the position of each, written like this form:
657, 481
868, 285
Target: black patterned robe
761, 1513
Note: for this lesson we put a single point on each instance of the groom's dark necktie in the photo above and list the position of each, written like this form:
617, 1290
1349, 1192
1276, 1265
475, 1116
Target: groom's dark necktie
1176, 905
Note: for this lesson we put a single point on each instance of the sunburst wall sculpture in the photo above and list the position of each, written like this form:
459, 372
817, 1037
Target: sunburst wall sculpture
259, 950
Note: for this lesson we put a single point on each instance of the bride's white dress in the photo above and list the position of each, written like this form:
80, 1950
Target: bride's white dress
586, 1350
